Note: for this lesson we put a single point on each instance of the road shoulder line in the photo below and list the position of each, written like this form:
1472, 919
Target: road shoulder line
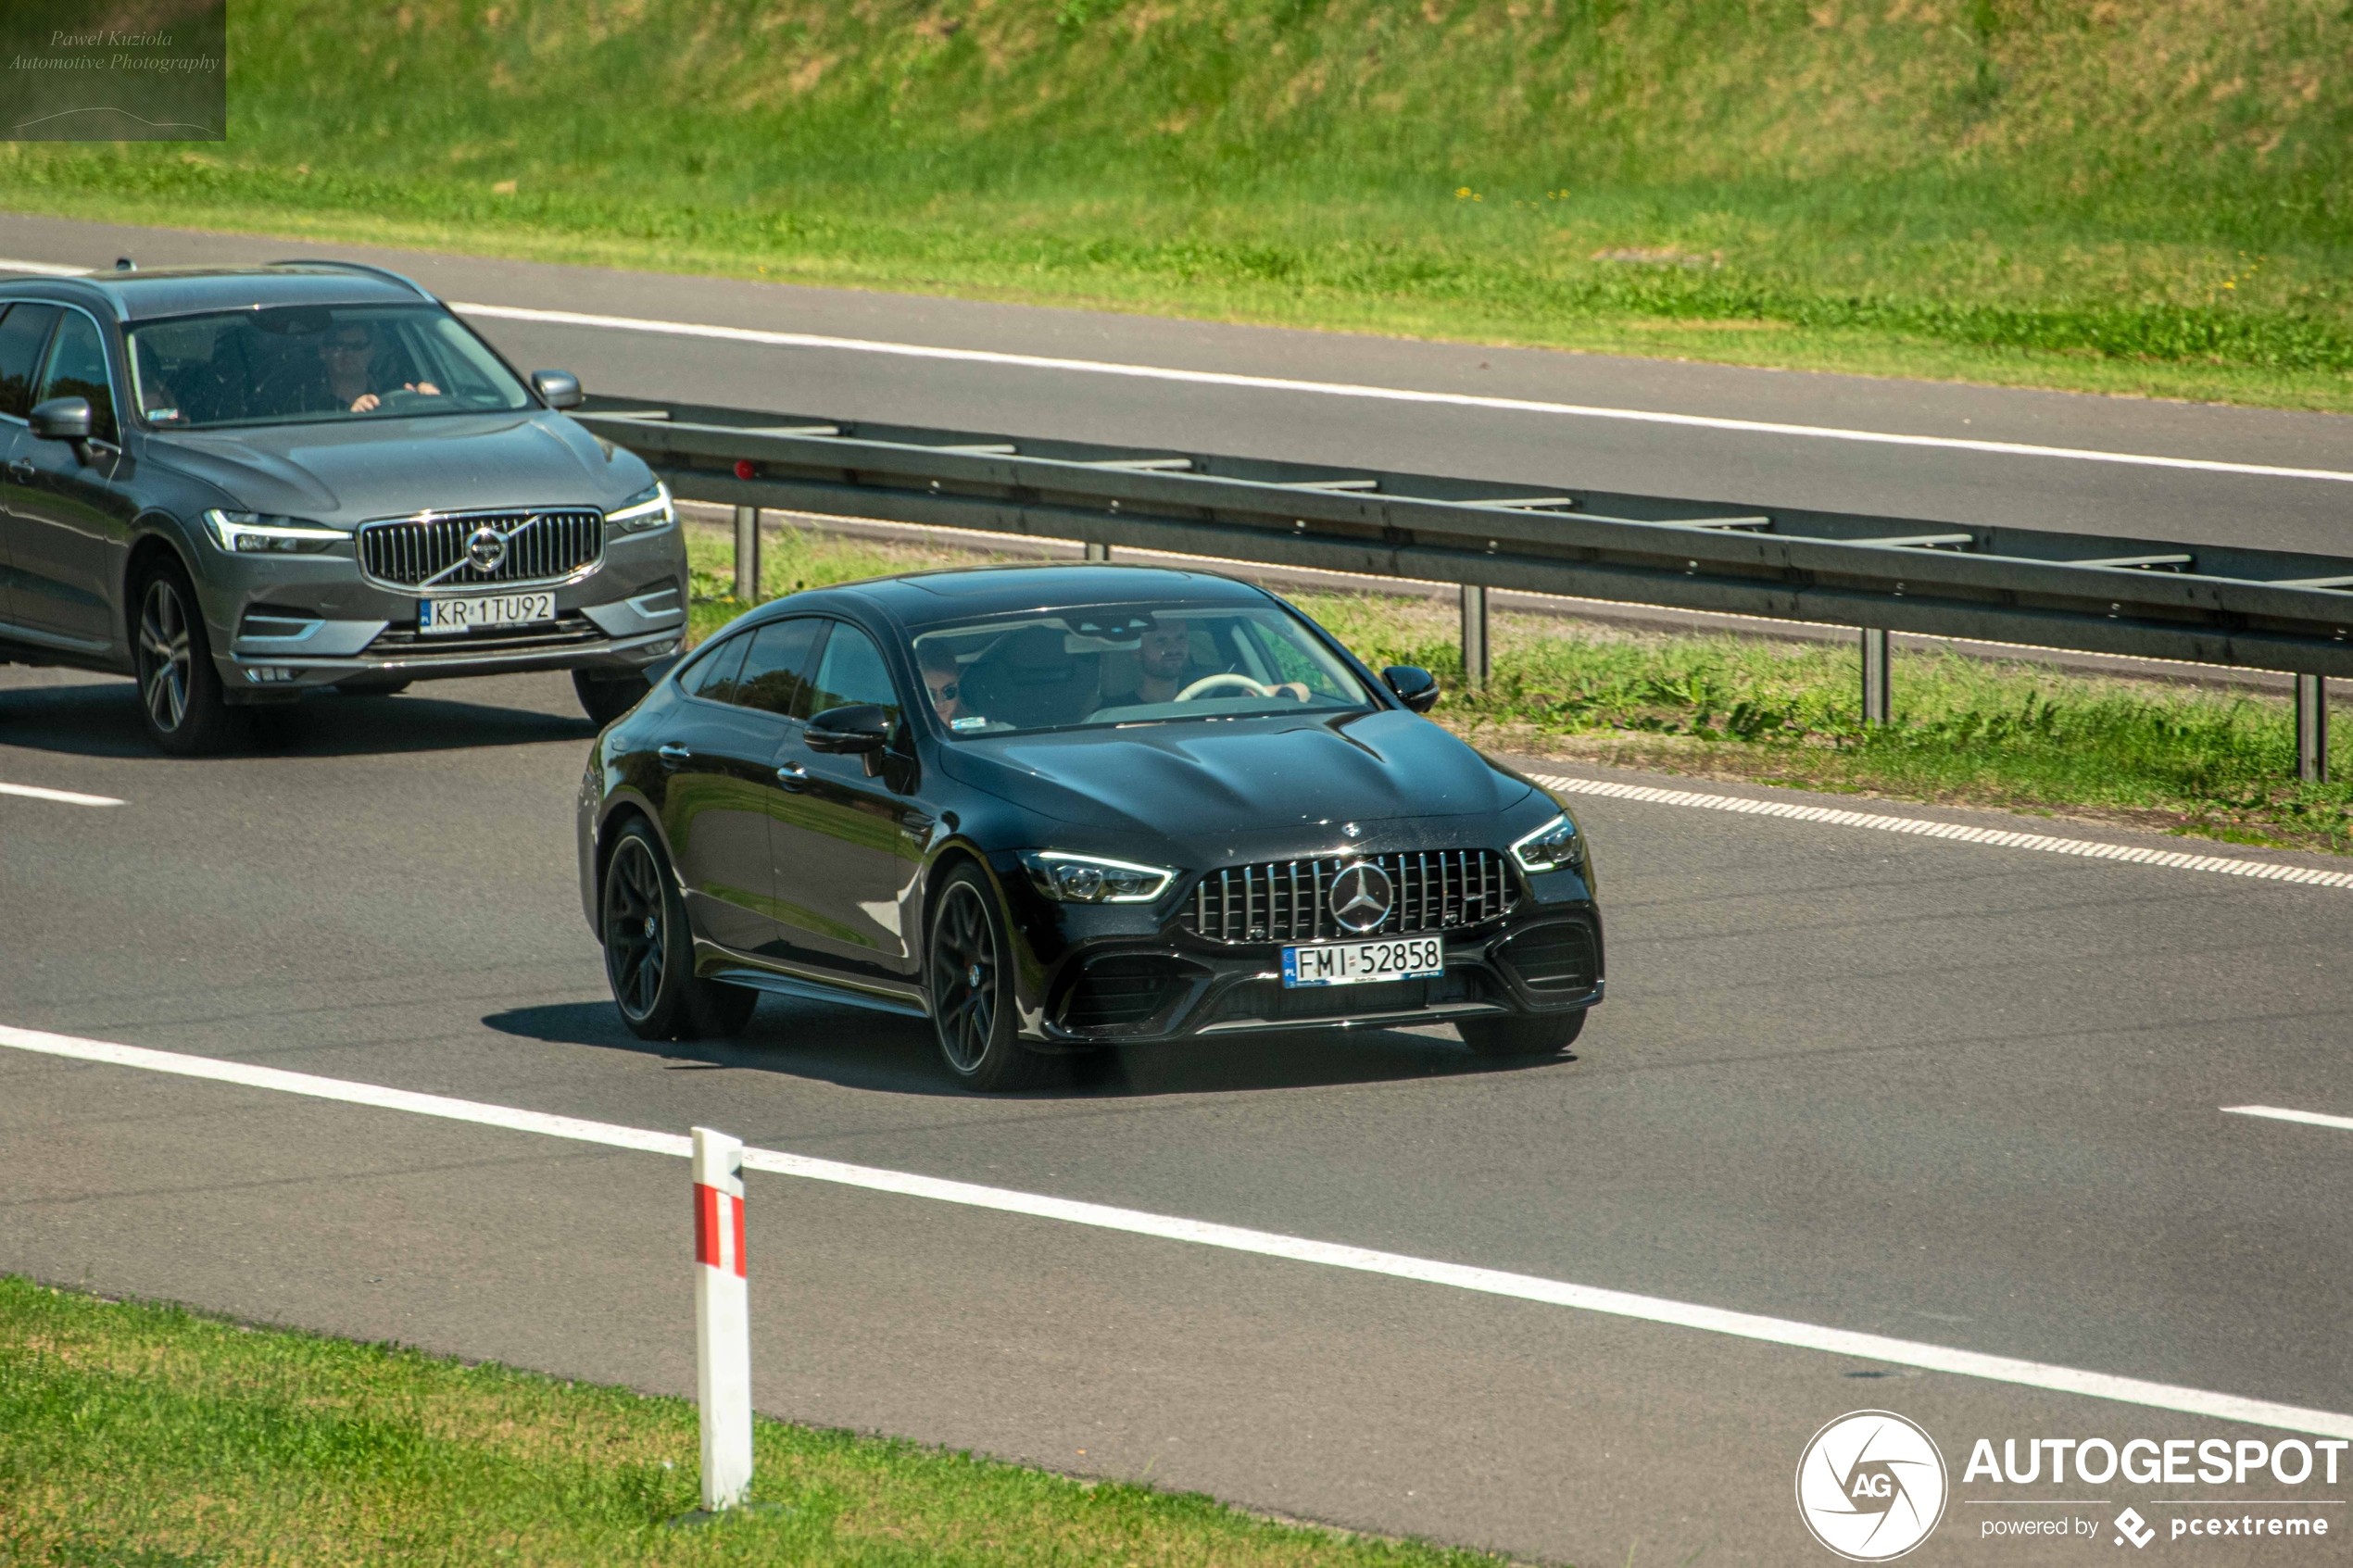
1957, 833
1203, 1233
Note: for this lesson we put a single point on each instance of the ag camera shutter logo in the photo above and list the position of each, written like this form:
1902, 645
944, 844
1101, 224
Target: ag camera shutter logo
1871, 1486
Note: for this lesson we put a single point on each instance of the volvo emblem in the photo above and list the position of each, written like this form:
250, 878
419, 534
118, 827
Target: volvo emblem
486, 548
1361, 897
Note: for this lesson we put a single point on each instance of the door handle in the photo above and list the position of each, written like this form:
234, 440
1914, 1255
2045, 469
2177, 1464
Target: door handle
673, 754
792, 775
21, 471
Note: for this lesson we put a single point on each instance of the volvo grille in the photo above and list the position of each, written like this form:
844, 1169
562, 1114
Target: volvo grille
430, 552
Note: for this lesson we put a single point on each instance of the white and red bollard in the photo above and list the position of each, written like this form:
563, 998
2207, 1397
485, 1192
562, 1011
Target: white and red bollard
723, 1320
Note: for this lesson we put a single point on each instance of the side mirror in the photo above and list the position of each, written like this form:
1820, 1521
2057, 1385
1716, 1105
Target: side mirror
61, 418
1415, 686
849, 732
557, 389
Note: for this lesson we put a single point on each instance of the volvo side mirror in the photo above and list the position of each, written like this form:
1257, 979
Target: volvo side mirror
61, 418
557, 389
1415, 686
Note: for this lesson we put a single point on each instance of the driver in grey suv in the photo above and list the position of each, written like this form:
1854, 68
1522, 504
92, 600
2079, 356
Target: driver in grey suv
242, 484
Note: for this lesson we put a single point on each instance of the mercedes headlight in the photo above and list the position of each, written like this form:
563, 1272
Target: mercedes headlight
265, 534
1090, 879
1555, 847
646, 512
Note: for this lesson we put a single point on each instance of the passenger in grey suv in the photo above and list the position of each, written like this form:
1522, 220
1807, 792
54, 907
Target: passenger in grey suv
240, 485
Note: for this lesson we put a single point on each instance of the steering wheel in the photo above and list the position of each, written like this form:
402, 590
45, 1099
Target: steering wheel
1223, 678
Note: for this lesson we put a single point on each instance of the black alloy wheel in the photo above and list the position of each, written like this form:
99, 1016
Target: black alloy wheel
180, 694
969, 972
1544, 1035
607, 697
650, 952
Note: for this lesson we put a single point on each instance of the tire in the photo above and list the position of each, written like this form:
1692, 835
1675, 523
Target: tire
969, 974
180, 698
1546, 1034
649, 950
607, 697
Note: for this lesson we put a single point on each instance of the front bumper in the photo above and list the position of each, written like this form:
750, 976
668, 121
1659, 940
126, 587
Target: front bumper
1540, 960
283, 625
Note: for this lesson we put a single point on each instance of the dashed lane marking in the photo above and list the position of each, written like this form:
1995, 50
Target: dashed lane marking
63, 796
1232, 1238
1956, 832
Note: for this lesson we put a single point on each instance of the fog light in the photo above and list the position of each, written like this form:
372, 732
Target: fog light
269, 674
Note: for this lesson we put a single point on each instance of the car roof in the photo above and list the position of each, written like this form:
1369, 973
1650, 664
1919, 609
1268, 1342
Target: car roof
147, 295
920, 599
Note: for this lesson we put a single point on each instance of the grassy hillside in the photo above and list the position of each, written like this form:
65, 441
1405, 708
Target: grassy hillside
2150, 197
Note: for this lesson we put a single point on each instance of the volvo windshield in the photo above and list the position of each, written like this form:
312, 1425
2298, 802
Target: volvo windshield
304, 363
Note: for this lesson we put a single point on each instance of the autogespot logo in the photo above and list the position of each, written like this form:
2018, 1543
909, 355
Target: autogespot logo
1870, 1486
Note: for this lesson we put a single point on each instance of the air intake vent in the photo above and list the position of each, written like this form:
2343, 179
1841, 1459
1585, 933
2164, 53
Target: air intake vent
443, 553
1291, 900
1554, 958
1119, 992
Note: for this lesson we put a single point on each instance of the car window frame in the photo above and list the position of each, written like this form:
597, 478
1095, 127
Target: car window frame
882, 641
105, 352
532, 403
715, 648
39, 353
823, 637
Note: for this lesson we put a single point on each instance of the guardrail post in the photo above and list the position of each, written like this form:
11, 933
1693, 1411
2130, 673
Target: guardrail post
1098, 552
723, 1318
747, 554
2312, 728
1875, 682
1476, 663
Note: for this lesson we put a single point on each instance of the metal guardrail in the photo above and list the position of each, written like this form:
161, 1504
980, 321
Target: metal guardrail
2205, 604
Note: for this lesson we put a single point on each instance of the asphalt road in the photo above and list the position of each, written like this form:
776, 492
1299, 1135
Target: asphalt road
1738, 467
1944, 1092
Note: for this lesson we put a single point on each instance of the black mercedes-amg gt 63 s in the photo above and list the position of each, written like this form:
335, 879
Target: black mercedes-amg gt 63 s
1058, 809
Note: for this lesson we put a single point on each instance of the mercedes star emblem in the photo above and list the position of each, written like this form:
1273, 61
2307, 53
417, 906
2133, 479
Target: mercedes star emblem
1361, 897
486, 548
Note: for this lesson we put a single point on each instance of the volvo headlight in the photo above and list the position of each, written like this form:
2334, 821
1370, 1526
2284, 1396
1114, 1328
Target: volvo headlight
1555, 847
264, 533
1090, 879
646, 512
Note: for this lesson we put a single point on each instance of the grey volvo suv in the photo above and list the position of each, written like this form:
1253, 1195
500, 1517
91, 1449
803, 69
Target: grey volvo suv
240, 485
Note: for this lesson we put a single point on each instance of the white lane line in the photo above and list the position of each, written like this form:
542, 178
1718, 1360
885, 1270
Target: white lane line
42, 269
1203, 1233
1381, 394
2309, 1117
64, 797
2263, 870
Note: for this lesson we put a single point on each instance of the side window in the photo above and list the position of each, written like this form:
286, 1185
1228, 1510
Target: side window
713, 676
78, 368
775, 672
852, 671
22, 332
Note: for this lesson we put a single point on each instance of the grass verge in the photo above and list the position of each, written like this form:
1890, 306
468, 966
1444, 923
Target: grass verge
147, 1436
2151, 198
1966, 732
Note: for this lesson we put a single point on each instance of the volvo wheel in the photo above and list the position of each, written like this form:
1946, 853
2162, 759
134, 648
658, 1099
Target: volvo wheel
969, 972
607, 697
178, 689
649, 951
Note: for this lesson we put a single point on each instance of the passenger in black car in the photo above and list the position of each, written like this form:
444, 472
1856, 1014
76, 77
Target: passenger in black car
1165, 669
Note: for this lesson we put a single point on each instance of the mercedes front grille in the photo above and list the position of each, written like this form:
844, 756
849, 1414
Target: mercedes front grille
431, 551
1291, 901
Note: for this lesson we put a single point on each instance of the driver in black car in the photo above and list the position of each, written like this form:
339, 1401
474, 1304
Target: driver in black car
348, 355
1166, 667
